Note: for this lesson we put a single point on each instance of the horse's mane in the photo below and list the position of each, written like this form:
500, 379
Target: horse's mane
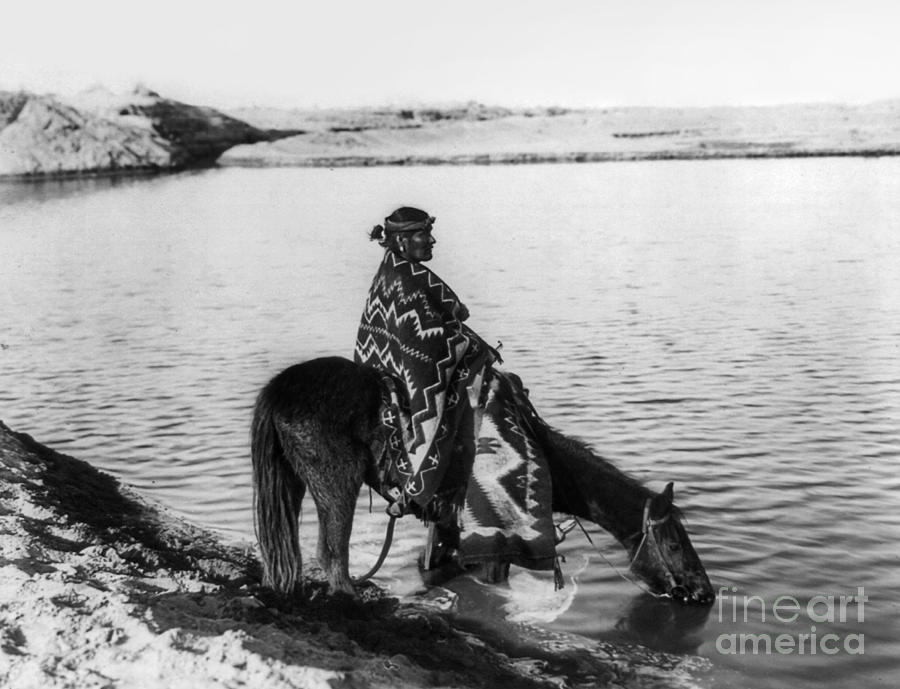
556, 443
579, 450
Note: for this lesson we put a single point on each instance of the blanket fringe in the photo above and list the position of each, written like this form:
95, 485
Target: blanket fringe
559, 581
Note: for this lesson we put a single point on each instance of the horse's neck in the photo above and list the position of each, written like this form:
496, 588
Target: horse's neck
588, 486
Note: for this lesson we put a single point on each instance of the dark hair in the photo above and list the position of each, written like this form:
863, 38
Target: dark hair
401, 215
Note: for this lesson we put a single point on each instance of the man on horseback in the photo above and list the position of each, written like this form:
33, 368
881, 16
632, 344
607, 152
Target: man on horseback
442, 385
426, 419
413, 331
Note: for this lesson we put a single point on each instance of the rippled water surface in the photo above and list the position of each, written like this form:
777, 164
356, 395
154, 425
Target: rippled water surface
731, 326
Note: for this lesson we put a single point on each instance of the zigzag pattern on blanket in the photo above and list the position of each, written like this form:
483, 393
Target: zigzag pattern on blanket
411, 329
405, 330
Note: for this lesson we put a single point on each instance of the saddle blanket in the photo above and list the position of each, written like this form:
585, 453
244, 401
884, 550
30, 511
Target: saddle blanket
502, 503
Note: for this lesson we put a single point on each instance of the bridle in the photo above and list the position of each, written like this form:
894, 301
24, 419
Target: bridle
647, 537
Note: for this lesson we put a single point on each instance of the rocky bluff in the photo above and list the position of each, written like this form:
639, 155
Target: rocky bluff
100, 132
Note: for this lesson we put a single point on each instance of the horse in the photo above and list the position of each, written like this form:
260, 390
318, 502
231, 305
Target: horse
315, 426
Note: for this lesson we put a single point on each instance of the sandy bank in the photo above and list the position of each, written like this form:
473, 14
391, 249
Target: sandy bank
100, 588
614, 134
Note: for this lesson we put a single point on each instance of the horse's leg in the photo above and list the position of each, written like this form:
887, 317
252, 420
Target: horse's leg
335, 525
334, 482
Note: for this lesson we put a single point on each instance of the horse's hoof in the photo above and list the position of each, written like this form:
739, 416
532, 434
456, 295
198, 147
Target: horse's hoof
348, 591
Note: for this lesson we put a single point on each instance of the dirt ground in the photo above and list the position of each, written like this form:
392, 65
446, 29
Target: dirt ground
101, 588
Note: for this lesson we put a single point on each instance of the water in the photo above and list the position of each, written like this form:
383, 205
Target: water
733, 326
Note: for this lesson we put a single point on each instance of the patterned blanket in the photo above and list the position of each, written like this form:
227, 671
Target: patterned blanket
458, 433
412, 330
507, 516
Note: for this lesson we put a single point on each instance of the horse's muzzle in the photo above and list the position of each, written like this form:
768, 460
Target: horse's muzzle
682, 595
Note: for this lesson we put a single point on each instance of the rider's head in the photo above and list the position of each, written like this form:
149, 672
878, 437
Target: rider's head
407, 232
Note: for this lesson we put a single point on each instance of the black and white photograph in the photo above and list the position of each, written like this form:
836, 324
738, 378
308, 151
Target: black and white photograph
415, 345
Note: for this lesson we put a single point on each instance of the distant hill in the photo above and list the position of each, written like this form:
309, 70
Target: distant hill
99, 132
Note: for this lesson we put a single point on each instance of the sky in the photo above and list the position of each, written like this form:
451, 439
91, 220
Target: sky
593, 53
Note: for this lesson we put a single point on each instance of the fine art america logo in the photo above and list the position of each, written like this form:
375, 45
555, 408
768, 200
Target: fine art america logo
787, 610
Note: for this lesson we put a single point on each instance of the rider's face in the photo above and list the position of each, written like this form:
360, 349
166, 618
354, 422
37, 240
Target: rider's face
416, 246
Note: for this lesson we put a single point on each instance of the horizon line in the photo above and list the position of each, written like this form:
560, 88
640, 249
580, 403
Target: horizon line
416, 104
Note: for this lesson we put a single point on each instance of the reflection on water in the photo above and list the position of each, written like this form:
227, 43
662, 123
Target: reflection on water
664, 625
728, 325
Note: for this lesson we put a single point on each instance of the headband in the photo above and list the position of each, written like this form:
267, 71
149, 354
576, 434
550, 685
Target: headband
409, 225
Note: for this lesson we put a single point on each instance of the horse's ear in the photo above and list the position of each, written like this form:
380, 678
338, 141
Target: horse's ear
668, 492
662, 503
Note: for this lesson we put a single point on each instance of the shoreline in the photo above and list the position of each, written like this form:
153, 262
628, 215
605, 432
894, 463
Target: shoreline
543, 159
359, 139
102, 588
453, 161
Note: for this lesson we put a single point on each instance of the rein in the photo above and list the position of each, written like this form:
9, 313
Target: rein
388, 538
647, 535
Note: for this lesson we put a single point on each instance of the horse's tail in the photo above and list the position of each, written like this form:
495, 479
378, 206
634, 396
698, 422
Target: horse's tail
277, 495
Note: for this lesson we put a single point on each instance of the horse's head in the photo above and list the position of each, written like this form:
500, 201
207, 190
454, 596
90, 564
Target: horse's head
663, 557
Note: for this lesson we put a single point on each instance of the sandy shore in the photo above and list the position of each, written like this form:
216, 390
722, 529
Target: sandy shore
101, 588
497, 136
